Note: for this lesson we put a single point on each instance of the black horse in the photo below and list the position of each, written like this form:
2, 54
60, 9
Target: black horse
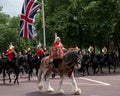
109, 60
9, 67
33, 63
85, 64
98, 61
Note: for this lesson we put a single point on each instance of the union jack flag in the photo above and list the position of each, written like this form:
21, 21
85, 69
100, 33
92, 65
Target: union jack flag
26, 20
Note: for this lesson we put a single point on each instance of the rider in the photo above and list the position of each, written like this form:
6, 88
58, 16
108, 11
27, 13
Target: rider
39, 51
11, 53
91, 52
57, 51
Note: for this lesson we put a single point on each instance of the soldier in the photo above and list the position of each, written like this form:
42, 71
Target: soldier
58, 43
56, 52
28, 50
39, 51
91, 52
11, 52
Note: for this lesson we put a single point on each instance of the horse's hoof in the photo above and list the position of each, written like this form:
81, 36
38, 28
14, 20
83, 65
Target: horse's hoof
40, 86
60, 92
78, 92
50, 90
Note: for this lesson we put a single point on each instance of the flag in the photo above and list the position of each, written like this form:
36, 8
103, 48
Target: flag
26, 20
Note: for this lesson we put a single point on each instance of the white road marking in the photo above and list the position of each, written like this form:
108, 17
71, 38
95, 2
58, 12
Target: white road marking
100, 82
81, 83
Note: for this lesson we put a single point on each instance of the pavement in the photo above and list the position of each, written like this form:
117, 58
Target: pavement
92, 85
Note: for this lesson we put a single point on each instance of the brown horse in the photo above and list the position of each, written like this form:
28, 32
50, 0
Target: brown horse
65, 67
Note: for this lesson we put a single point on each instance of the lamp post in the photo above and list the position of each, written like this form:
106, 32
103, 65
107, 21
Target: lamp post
75, 18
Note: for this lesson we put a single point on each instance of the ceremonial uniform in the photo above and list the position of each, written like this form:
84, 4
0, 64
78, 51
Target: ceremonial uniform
91, 53
11, 53
39, 52
56, 52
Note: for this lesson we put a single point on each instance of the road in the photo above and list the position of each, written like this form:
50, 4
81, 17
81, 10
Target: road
98, 85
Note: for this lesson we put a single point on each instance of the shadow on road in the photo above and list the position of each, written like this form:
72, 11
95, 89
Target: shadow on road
38, 93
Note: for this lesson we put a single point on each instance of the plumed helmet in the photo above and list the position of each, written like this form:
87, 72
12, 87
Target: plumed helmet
104, 50
11, 46
28, 49
39, 45
90, 49
57, 39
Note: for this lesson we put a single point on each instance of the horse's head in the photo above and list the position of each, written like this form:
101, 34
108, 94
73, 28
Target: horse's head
71, 58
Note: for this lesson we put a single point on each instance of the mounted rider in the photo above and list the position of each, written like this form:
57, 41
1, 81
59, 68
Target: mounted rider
11, 53
91, 52
57, 51
39, 51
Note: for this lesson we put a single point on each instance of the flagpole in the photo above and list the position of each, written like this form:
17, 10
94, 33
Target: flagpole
43, 17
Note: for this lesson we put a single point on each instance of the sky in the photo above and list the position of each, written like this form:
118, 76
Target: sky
12, 7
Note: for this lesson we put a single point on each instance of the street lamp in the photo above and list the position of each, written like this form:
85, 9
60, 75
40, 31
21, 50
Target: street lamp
75, 18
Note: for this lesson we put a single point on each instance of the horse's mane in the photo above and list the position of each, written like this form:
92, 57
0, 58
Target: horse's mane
70, 56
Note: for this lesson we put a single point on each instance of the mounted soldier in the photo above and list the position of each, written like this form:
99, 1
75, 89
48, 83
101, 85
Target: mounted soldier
39, 51
11, 63
11, 53
57, 51
91, 52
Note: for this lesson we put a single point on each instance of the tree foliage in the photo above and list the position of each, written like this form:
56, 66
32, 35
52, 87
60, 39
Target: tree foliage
75, 21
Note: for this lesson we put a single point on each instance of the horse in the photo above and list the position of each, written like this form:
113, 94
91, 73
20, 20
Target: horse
33, 63
85, 64
9, 67
22, 64
110, 60
65, 67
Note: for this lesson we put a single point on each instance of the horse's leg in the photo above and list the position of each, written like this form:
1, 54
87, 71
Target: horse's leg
114, 65
16, 77
30, 73
87, 69
59, 89
101, 68
9, 76
41, 78
36, 71
97, 70
4, 75
109, 67
74, 83
49, 88
16, 72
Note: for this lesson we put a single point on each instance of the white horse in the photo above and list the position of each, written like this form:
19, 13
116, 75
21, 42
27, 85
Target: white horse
66, 67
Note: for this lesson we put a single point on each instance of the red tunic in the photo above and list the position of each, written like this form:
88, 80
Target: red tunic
56, 52
10, 54
58, 44
39, 52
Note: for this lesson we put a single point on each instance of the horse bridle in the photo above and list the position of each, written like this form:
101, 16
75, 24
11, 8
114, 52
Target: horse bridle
72, 63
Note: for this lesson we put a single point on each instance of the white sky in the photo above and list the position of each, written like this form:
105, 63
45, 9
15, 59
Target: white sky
12, 7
